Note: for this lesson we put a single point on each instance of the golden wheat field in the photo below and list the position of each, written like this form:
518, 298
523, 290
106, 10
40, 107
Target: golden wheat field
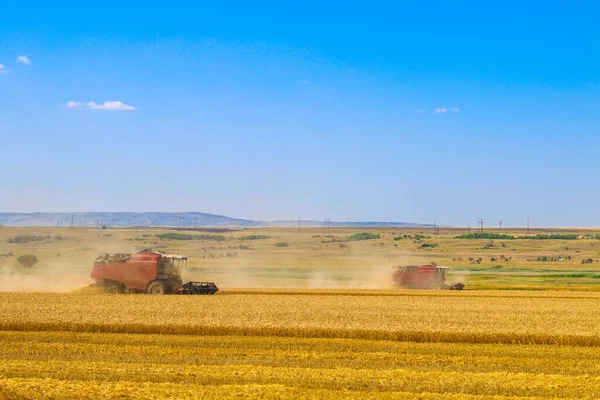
317, 318
523, 317
301, 344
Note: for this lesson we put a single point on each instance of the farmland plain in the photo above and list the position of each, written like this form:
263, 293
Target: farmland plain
315, 317
313, 257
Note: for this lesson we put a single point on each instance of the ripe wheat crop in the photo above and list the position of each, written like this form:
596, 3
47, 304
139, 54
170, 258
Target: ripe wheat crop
56, 365
454, 318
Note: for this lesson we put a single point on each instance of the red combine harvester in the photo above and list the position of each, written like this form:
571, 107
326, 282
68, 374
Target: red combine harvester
146, 272
424, 277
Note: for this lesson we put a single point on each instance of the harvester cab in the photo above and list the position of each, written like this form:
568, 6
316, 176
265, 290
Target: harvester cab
428, 276
171, 267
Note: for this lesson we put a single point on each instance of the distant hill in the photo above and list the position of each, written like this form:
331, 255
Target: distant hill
166, 219
357, 224
121, 219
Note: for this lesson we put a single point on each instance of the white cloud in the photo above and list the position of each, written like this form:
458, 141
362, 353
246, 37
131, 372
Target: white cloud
73, 104
307, 82
108, 105
24, 60
444, 110
3, 69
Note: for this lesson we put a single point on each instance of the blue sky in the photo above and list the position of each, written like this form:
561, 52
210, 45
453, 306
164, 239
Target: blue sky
404, 111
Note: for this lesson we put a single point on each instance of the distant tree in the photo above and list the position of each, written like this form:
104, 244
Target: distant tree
27, 260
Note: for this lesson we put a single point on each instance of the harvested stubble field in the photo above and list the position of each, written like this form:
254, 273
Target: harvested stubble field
381, 344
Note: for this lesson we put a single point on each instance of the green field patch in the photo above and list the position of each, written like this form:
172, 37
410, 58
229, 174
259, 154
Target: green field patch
364, 236
185, 236
255, 237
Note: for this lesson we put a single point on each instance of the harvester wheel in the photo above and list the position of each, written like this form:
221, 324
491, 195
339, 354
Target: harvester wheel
115, 288
157, 287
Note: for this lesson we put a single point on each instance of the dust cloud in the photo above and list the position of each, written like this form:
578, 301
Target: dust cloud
362, 273
350, 270
57, 276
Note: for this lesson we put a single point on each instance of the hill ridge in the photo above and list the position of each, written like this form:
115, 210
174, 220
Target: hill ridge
168, 219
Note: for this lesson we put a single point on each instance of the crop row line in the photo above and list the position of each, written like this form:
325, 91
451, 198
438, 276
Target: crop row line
326, 333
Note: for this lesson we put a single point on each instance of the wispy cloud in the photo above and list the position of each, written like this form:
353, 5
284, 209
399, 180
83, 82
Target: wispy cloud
108, 105
444, 110
307, 82
24, 60
3, 69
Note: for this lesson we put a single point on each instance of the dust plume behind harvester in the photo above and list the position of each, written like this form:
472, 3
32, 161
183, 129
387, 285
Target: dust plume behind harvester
146, 272
428, 276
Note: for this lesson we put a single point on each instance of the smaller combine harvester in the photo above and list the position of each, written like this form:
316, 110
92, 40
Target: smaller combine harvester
424, 277
146, 272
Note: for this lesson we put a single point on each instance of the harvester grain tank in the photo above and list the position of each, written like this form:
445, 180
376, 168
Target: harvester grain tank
428, 276
145, 272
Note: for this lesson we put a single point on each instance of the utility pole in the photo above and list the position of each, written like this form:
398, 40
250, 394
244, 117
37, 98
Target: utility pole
325, 226
500, 224
527, 225
195, 225
72, 225
298, 224
434, 226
